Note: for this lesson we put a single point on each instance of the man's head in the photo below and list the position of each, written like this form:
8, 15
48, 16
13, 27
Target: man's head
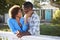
27, 6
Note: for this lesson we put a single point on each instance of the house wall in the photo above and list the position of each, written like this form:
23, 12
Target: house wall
6, 17
1, 19
47, 14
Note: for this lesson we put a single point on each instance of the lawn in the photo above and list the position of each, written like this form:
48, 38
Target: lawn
50, 29
4, 28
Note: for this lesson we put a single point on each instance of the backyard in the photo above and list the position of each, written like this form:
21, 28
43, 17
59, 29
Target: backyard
45, 29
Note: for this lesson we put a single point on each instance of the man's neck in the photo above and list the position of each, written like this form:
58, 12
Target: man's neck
31, 13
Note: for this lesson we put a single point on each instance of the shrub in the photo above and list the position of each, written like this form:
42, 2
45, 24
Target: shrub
50, 29
56, 17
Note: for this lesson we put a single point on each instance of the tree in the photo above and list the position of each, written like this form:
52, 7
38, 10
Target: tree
15, 2
37, 3
3, 7
6, 4
55, 3
56, 17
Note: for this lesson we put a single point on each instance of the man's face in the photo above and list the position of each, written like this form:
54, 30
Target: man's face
26, 10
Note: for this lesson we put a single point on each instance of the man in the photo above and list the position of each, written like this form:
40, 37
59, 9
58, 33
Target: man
32, 18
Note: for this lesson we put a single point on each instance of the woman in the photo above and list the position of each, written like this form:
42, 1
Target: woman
16, 22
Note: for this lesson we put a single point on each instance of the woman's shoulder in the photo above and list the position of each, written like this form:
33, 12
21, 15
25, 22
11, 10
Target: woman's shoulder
10, 19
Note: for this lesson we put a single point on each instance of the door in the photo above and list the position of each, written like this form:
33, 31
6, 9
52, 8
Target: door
48, 14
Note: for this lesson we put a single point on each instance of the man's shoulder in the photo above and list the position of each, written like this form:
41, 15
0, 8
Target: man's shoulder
35, 15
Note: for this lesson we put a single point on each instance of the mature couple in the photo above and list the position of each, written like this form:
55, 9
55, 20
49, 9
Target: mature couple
27, 25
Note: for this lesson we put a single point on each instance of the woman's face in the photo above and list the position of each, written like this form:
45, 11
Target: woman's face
19, 14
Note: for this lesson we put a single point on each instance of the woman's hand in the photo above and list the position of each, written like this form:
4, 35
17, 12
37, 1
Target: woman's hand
27, 15
26, 18
19, 34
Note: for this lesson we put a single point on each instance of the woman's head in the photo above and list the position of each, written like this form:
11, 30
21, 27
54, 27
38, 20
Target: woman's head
15, 11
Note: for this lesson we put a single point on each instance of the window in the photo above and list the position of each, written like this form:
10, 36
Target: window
42, 14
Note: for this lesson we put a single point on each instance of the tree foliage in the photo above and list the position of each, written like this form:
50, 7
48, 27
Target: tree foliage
3, 7
15, 2
56, 17
6, 4
37, 3
56, 2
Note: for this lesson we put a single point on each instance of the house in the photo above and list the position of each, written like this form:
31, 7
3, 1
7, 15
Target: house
6, 17
47, 10
1, 19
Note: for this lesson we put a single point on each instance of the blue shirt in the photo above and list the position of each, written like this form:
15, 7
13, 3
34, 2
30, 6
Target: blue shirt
14, 27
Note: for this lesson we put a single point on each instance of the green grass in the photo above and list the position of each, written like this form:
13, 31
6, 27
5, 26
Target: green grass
50, 29
4, 28
3, 38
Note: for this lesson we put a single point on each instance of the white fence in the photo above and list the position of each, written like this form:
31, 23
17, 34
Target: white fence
11, 36
7, 35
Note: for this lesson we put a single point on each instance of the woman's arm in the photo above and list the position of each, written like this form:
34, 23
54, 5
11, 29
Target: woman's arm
24, 25
11, 26
15, 31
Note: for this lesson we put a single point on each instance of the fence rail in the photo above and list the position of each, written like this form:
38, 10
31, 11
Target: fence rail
11, 36
8, 36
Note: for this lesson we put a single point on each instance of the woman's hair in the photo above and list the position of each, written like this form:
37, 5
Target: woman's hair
13, 11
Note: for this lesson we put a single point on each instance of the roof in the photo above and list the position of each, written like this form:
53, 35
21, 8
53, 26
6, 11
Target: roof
48, 6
